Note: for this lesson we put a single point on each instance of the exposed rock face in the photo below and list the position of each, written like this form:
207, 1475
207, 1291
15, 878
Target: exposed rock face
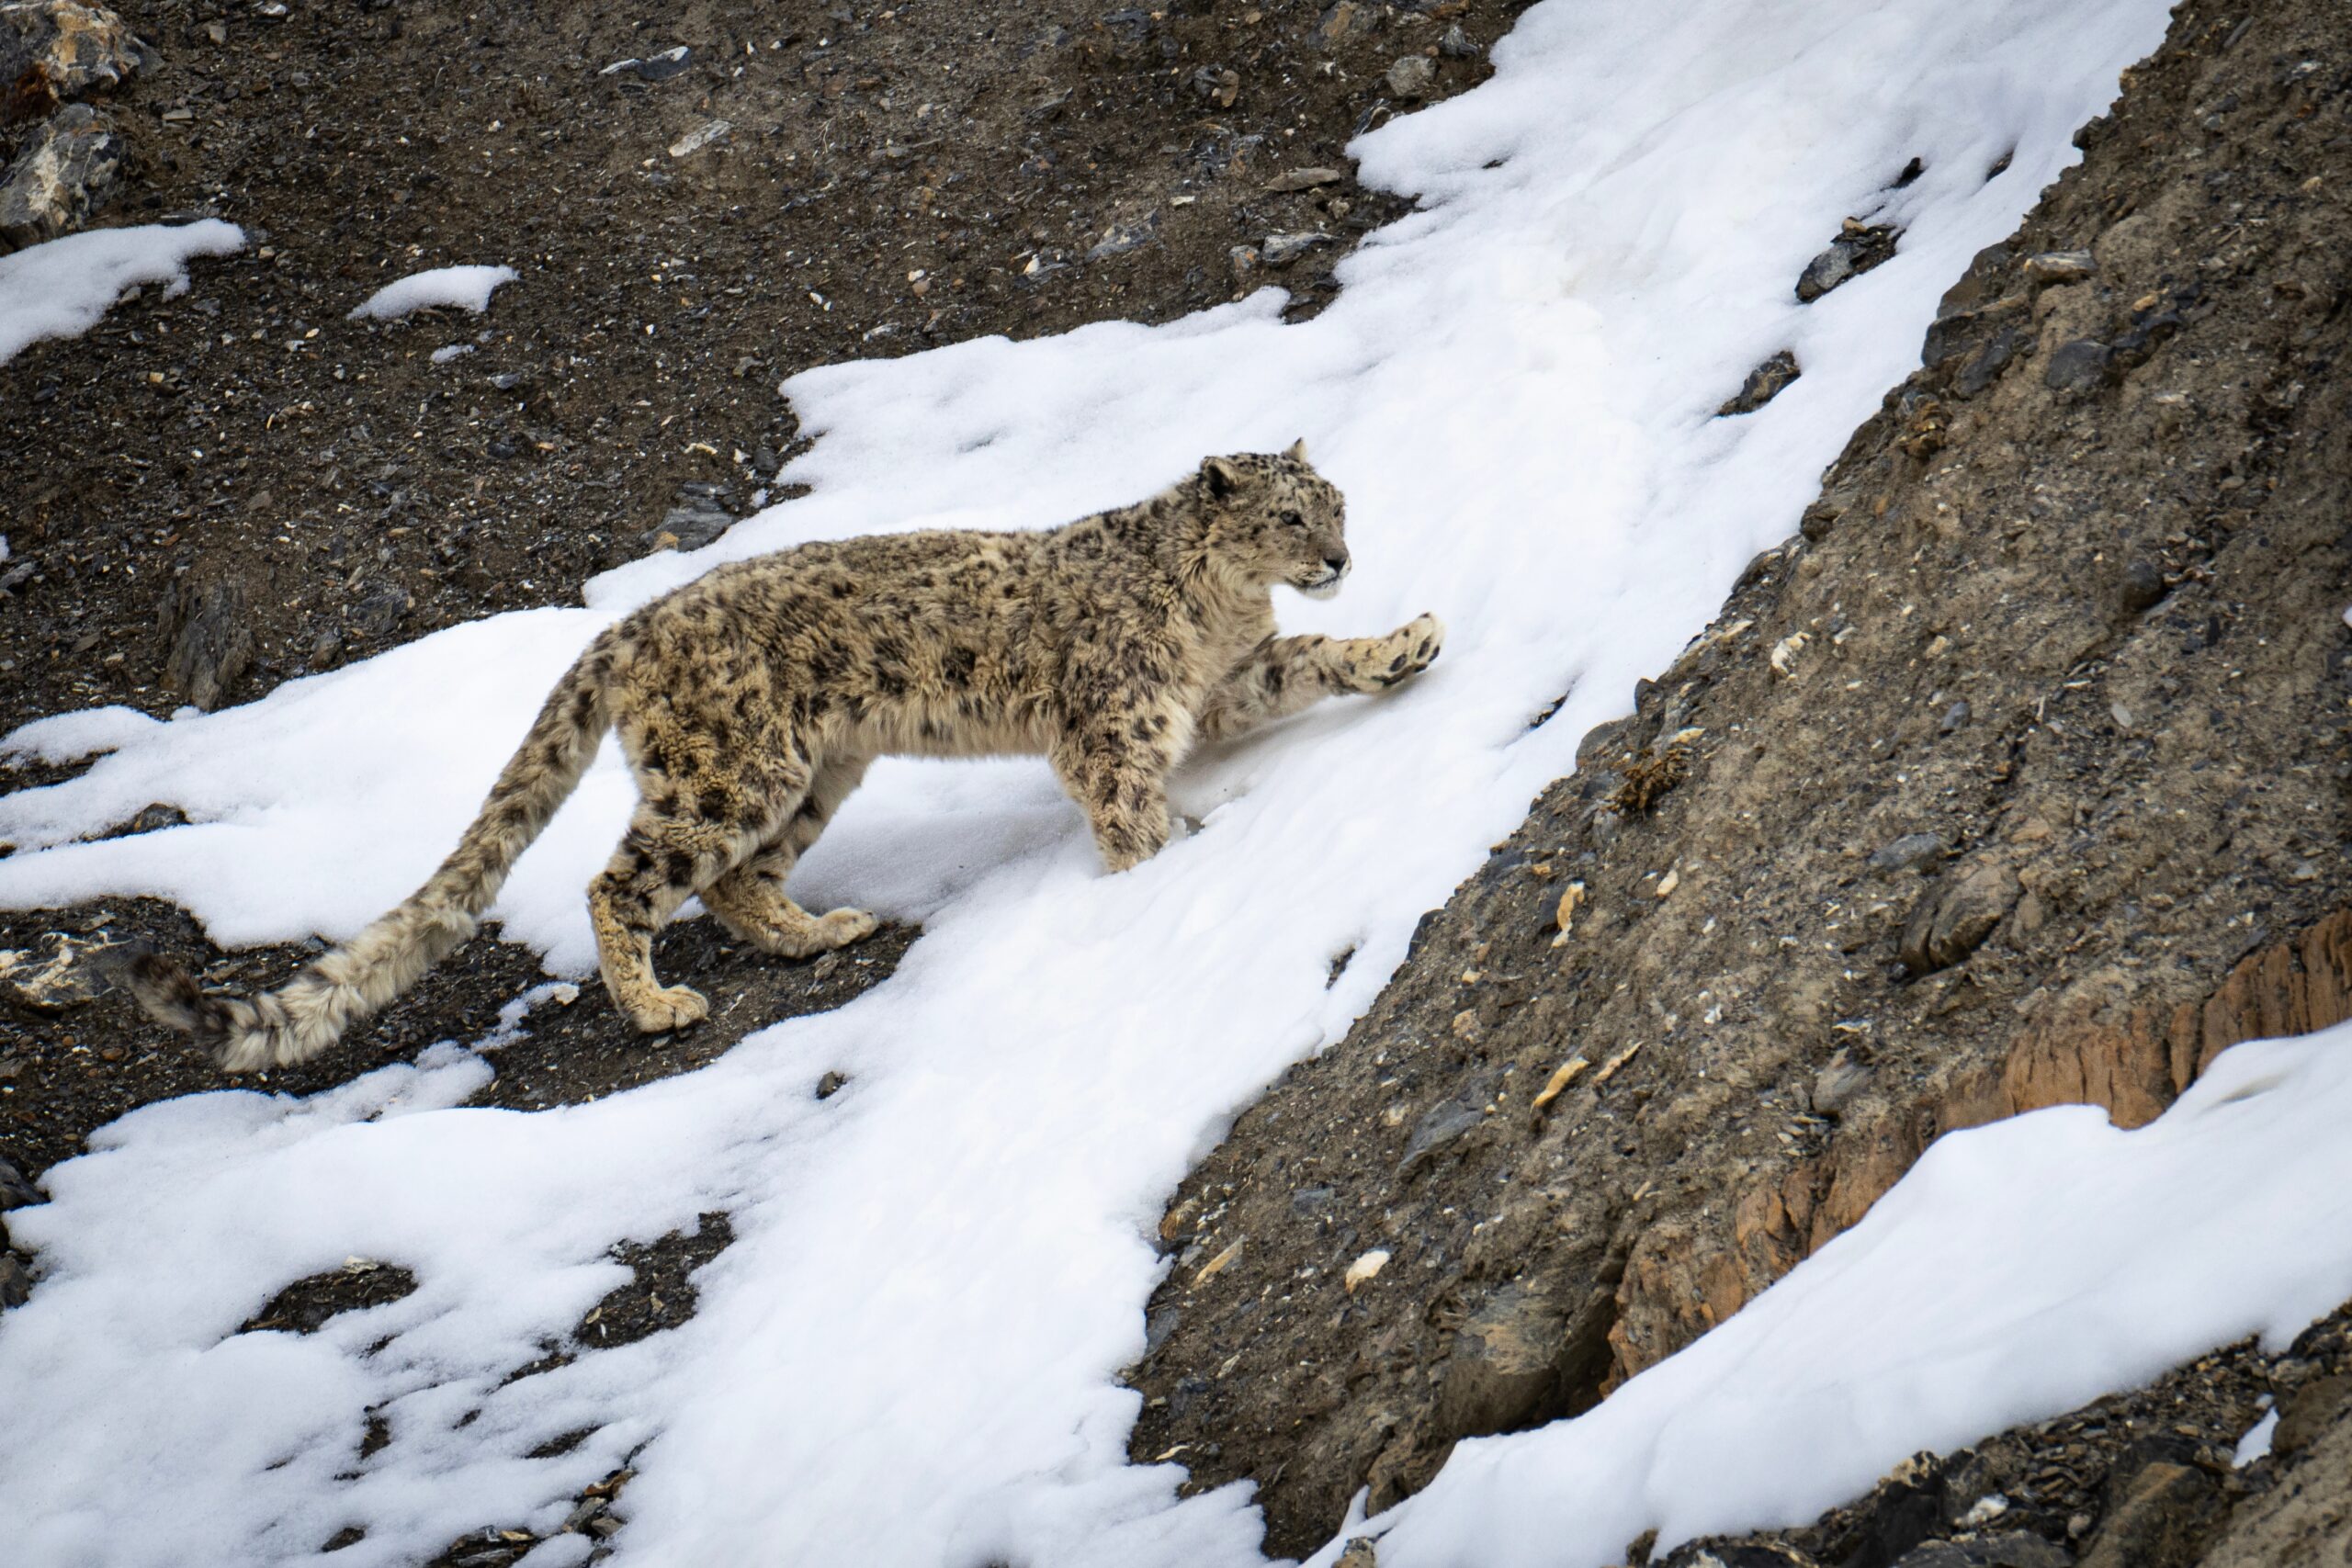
2077, 647
66, 171
55, 50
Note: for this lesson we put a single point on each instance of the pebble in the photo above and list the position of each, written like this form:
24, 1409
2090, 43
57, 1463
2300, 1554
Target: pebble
1281, 250
1764, 383
1366, 1267
1456, 44
1304, 179
1412, 76
2060, 266
1908, 852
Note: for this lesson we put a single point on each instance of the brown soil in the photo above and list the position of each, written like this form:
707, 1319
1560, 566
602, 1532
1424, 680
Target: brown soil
2017, 778
895, 176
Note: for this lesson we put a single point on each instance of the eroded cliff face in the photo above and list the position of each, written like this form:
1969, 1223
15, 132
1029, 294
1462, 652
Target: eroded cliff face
2017, 777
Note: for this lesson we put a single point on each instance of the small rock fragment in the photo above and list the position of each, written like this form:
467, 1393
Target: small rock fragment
1906, 853
1456, 44
1304, 179
1217, 85
1562, 1077
2060, 266
702, 136
15, 1283
1952, 919
208, 643
1364, 1269
1218, 1264
16, 1192
1855, 250
1412, 76
1281, 250
1838, 1083
2143, 587
1764, 383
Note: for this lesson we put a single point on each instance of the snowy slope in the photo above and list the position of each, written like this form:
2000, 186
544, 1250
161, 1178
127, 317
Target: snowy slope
909, 1353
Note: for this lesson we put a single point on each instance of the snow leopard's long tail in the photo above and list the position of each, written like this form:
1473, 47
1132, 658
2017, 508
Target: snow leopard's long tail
309, 1013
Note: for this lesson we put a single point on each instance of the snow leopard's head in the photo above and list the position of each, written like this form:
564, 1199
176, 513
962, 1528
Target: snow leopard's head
1274, 519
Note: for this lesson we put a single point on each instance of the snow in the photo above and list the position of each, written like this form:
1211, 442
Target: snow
466, 288
909, 1353
60, 288
2019, 1271
2256, 1444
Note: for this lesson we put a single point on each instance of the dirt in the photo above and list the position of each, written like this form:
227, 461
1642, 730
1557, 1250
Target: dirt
64, 1073
312, 490
2016, 777
894, 177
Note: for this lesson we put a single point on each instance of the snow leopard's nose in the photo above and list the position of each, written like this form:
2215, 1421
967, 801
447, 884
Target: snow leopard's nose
1337, 563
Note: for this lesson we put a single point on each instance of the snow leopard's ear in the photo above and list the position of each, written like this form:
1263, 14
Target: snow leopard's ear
1222, 478
1298, 452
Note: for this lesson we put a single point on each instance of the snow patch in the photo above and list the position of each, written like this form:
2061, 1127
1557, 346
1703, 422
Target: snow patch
910, 1353
2256, 1444
61, 287
466, 288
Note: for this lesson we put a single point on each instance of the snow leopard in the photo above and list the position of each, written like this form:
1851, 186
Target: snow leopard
749, 701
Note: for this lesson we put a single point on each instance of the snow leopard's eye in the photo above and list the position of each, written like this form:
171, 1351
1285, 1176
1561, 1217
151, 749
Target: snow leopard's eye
1293, 520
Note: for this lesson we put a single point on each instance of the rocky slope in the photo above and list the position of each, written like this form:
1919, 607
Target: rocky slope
2016, 777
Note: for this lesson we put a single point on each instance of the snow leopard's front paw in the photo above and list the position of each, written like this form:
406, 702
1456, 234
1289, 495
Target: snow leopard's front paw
1401, 654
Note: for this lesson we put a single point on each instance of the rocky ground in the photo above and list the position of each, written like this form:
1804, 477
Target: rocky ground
2016, 778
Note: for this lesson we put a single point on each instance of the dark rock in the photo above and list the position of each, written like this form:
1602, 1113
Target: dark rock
2143, 586
1911, 850
1412, 76
1505, 1367
64, 172
2012, 1549
1217, 85
1952, 919
1958, 334
380, 611
1456, 45
15, 1283
1764, 383
662, 66
1121, 237
829, 1085
2163, 1518
699, 517
208, 643
1735, 1554
1985, 368
1954, 717
2310, 1411
16, 1192
1445, 1122
1344, 20
51, 50
2077, 366
1861, 247
1311, 1201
